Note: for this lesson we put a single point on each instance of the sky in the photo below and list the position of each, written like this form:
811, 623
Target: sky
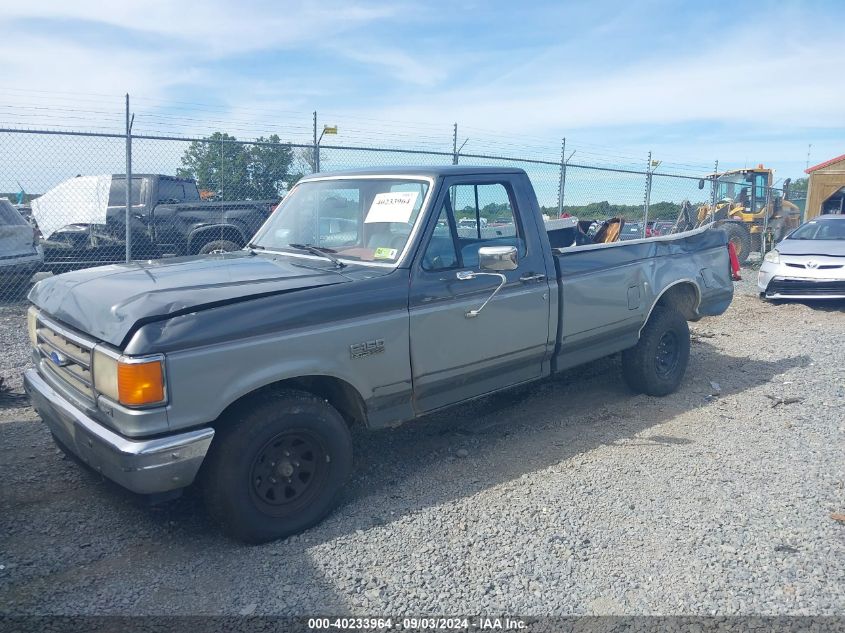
691, 82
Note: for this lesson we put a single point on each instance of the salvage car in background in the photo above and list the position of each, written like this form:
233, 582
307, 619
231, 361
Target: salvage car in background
808, 264
83, 220
20, 255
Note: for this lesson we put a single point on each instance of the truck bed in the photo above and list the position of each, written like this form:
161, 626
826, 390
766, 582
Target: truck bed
607, 291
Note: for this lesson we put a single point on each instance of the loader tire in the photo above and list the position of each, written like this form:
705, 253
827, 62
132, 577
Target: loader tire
739, 236
657, 364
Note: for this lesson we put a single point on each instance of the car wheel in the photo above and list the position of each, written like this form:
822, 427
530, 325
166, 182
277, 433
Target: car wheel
278, 467
739, 236
218, 246
657, 364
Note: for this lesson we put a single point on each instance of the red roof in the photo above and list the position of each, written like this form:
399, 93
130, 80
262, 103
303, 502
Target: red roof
824, 164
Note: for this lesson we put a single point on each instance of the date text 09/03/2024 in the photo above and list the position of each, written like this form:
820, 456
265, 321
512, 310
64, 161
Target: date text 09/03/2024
417, 623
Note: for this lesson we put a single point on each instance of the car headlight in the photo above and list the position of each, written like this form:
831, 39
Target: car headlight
133, 382
772, 256
31, 325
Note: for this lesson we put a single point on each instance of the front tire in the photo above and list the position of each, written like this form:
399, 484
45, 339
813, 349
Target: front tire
278, 467
657, 364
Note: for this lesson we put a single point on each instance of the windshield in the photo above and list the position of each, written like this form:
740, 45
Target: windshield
361, 219
820, 230
732, 186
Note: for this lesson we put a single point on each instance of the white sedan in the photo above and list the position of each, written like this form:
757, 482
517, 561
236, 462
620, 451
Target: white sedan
808, 264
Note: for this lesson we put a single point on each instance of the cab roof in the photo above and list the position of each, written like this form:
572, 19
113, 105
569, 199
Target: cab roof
432, 171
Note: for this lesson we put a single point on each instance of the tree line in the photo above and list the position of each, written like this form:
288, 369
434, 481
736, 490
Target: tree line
263, 169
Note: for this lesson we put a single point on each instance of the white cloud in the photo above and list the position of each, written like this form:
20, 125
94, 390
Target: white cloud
780, 85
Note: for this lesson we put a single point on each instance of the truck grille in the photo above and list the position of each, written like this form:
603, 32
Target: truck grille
66, 356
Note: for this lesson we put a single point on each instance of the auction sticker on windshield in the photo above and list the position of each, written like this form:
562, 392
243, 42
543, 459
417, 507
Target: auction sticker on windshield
392, 207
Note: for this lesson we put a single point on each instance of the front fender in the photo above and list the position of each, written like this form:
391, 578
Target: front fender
204, 381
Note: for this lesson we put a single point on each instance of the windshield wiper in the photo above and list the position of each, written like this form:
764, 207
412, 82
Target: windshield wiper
322, 251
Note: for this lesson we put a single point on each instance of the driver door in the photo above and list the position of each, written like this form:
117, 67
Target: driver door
455, 357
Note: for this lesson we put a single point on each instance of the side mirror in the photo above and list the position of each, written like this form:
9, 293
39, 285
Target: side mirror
498, 258
701, 183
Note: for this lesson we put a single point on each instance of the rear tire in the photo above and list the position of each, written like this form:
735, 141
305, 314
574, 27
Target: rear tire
657, 364
218, 246
278, 467
739, 236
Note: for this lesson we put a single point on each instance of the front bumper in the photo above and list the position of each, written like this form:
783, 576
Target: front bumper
142, 466
790, 280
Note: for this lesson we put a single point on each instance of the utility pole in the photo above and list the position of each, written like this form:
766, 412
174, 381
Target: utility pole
564, 162
128, 217
562, 177
455, 144
715, 190
315, 164
650, 169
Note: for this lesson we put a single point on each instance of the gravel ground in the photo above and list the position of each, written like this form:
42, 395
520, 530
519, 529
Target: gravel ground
569, 497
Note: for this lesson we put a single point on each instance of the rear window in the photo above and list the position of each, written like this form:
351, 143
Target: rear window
9, 215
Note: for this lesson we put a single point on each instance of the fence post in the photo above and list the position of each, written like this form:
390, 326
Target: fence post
562, 182
714, 192
316, 157
647, 198
455, 144
128, 233
764, 236
222, 169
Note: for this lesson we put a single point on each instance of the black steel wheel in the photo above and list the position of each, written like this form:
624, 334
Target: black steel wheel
288, 471
657, 364
277, 466
667, 355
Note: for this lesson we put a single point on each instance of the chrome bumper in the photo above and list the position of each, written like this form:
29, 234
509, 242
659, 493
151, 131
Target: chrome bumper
142, 466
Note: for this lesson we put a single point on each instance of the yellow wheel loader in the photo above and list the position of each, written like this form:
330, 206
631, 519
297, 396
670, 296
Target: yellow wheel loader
748, 209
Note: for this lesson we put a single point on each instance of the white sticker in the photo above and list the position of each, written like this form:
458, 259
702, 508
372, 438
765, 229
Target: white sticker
392, 207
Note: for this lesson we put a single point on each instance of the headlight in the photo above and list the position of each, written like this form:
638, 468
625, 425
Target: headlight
133, 382
31, 316
772, 256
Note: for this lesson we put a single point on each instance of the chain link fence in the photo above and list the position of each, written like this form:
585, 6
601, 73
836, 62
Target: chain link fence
69, 205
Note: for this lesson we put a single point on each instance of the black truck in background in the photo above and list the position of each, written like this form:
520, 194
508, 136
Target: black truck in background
168, 218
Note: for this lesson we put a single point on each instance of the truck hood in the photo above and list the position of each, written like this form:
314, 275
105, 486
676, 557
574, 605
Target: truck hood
109, 302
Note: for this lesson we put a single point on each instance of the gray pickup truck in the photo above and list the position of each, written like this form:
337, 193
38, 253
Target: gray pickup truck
367, 298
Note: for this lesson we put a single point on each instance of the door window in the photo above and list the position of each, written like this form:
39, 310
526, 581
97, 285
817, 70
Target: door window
472, 216
484, 216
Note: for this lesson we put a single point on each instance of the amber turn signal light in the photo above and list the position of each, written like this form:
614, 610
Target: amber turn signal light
140, 383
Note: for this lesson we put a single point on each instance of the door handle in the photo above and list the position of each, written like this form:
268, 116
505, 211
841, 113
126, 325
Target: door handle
532, 277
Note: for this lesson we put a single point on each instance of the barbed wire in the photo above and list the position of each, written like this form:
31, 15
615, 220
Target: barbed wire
157, 115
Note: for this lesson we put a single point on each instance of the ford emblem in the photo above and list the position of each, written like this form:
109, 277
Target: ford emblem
59, 359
